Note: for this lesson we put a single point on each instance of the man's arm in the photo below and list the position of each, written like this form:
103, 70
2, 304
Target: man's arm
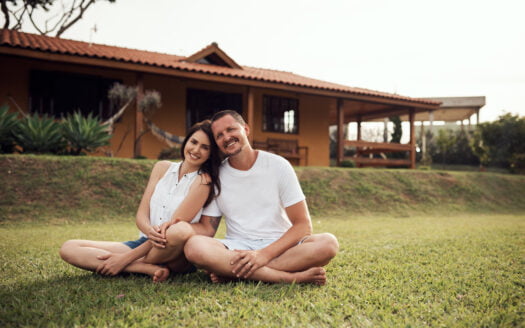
247, 262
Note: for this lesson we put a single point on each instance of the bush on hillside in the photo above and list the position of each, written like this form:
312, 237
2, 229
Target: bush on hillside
500, 143
451, 147
8, 126
84, 133
170, 153
40, 135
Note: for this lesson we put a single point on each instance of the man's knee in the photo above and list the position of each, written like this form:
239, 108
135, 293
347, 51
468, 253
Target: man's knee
194, 250
328, 244
179, 233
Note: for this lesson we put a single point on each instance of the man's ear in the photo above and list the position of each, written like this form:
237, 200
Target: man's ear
247, 129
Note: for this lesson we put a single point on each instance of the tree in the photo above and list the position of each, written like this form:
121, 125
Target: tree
398, 129
500, 143
60, 17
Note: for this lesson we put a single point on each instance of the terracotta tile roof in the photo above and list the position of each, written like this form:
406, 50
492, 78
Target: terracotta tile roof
9, 38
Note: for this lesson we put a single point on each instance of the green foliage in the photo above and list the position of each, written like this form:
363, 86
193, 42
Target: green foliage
398, 129
40, 135
170, 153
451, 147
8, 126
84, 133
501, 143
347, 163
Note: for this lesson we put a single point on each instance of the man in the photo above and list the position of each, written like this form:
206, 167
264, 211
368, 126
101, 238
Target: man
268, 235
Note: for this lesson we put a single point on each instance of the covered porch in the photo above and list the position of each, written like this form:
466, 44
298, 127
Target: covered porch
368, 109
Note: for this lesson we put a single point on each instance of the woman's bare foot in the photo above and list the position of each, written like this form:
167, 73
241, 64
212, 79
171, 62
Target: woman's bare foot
216, 279
314, 275
161, 275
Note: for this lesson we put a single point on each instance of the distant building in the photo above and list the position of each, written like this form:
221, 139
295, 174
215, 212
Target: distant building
289, 114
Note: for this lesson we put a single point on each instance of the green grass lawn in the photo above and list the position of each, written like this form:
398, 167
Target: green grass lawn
455, 270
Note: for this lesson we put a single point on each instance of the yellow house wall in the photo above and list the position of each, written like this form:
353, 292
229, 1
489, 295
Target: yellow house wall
313, 110
313, 124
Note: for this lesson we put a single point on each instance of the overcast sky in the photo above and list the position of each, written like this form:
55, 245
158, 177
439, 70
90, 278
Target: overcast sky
416, 48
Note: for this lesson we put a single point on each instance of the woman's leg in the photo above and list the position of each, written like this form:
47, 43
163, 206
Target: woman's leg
84, 254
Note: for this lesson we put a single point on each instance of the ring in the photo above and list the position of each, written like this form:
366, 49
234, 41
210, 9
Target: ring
250, 263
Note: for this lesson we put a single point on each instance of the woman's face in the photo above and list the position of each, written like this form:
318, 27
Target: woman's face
198, 148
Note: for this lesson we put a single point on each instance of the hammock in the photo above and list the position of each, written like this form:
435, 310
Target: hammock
166, 137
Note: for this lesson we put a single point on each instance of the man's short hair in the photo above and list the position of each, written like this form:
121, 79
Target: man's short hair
230, 112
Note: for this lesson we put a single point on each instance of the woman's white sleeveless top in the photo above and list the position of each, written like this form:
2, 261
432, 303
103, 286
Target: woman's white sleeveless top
169, 194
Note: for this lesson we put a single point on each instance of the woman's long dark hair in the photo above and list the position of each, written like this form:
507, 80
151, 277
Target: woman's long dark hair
211, 166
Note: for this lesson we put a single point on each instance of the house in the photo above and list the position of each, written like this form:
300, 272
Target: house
288, 113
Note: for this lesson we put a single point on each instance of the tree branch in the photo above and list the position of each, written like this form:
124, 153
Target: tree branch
5, 11
76, 19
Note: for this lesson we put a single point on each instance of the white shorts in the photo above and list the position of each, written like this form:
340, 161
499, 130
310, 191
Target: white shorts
250, 244
246, 244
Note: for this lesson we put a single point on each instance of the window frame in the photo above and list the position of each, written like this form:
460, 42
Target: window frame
279, 105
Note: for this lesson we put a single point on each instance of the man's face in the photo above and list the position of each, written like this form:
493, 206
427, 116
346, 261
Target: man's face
230, 135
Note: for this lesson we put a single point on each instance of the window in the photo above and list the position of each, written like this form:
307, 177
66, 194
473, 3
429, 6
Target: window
280, 114
58, 94
202, 104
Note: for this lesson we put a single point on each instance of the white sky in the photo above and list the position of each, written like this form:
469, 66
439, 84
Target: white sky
417, 48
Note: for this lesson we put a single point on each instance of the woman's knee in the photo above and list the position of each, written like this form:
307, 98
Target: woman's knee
179, 233
67, 249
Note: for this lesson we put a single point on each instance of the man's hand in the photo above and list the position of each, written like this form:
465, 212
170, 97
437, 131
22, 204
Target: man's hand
156, 237
113, 264
247, 262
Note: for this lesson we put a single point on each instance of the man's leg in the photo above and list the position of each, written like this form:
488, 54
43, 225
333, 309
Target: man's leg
210, 254
316, 251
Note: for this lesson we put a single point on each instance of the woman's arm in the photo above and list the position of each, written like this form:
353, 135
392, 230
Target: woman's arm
142, 217
192, 203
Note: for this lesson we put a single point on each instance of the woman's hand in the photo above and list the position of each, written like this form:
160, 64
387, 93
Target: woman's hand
113, 263
157, 238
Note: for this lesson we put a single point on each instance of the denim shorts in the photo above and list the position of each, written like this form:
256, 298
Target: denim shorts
135, 243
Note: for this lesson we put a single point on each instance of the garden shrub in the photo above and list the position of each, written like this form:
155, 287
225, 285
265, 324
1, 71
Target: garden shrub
40, 135
8, 126
84, 133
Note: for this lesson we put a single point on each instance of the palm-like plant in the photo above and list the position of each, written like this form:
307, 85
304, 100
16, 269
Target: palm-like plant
84, 133
8, 125
39, 135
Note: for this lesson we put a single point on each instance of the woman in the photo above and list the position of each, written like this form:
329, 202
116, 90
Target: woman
168, 215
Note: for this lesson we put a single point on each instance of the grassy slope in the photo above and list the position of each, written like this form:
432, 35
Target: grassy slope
88, 188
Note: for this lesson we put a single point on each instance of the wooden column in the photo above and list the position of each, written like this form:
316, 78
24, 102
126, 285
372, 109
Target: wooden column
139, 117
340, 132
359, 128
477, 117
385, 129
423, 140
250, 114
412, 114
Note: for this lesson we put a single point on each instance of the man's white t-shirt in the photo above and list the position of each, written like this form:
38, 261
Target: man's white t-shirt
253, 201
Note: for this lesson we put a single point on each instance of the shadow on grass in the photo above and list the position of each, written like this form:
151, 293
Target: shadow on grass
91, 299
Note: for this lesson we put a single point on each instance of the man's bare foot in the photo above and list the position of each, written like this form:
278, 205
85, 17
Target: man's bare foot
314, 275
161, 275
